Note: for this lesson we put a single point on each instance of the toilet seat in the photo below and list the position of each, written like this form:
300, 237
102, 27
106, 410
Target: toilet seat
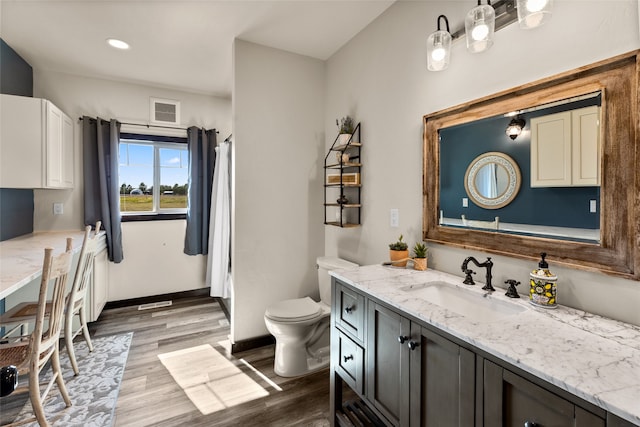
294, 310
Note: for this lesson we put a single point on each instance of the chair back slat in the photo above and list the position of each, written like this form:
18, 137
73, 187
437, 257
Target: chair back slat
84, 270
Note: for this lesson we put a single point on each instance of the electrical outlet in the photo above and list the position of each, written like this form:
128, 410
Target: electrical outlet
57, 209
394, 217
465, 202
592, 206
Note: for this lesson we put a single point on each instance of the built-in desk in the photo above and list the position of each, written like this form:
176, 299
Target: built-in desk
21, 257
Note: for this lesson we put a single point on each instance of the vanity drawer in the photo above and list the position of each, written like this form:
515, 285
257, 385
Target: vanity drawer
350, 363
350, 312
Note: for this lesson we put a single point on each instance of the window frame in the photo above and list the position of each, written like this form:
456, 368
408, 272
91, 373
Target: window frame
157, 142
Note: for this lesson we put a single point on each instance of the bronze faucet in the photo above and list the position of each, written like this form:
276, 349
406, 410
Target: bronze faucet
488, 264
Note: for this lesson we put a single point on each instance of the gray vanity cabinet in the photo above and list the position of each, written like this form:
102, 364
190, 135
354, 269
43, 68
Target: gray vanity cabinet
511, 400
442, 381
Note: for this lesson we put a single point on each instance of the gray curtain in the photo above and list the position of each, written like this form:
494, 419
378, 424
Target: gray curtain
100, 139
202, 159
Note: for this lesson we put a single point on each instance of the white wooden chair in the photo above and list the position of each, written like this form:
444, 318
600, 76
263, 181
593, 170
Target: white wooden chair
490, 225
31, 353
24, 313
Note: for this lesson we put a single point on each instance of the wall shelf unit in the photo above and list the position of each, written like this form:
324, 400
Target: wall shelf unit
342, 180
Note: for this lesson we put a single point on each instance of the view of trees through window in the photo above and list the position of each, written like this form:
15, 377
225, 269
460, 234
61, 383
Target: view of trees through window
145, 166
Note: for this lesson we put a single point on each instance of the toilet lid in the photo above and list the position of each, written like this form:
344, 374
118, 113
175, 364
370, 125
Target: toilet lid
294, 310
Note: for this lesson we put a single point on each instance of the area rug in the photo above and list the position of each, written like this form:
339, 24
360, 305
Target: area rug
94, 391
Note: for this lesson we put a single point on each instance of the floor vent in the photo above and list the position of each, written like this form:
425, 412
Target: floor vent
154, 305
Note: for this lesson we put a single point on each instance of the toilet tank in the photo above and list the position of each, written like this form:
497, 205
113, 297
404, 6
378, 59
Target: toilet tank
326, 264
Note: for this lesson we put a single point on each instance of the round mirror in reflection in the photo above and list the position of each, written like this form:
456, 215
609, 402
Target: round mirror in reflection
492, 180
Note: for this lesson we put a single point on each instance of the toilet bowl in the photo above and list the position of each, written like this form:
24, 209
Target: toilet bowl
301, 326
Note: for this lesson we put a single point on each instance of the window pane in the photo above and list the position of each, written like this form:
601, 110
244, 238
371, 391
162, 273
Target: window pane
173, 178
136, 177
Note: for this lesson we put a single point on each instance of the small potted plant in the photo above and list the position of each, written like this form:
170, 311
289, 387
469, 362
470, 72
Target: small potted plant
345, 129
420, 256
398, 253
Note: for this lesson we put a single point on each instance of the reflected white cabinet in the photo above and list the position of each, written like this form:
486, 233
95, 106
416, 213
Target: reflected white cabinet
565, 149
36, 144
99, 290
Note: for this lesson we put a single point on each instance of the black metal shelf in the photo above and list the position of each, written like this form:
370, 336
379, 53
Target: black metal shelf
349, 182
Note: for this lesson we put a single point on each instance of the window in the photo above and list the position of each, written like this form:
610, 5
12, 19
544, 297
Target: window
153, 175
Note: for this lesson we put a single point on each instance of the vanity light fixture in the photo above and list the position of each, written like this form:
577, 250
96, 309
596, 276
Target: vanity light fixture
439, 47
118, 44
533, 13
515, 127
479, 27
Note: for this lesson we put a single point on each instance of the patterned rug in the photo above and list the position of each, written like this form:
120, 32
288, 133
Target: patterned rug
94, 391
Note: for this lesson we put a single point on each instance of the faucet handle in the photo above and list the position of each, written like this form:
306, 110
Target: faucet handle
511, 291
468, 280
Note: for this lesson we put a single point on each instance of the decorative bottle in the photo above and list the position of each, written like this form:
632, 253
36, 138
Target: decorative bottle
543, 291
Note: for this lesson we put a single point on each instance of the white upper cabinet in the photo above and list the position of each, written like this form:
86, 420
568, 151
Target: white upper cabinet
565, 149
36, 144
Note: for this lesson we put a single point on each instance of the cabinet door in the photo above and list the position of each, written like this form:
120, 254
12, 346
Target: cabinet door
99, 286
68, 158
551, 150
586, 146
510, 400
53, 147
387, 369
442, 382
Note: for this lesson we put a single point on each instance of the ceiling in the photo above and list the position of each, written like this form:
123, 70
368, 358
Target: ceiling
178, 44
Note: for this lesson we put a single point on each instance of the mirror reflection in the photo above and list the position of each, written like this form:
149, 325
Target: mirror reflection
557, 157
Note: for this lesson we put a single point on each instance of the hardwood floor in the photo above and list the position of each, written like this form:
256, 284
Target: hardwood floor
150, 396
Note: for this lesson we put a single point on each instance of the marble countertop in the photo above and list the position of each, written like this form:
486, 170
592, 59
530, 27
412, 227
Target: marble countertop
21, 257
592, 357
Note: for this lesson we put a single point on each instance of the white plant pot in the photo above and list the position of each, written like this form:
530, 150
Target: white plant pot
343, 138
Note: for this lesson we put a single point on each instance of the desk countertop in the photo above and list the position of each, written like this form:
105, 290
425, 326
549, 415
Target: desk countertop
21, 257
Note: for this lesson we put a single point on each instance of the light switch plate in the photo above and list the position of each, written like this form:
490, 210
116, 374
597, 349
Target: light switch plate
465, 202
394, 218
592, 206
58, 209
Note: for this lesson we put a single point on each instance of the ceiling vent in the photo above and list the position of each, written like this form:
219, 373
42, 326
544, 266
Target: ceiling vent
164, 111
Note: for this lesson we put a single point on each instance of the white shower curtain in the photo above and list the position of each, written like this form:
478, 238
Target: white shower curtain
218, 265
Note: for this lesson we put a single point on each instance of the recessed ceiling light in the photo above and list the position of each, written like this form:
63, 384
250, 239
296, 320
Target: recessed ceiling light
118, 44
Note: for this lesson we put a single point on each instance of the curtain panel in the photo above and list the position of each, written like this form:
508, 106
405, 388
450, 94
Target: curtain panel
100, 139
202, 156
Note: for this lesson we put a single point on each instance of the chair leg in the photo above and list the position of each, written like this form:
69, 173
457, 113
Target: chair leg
85, 329
55, 367
34, 396
68, 340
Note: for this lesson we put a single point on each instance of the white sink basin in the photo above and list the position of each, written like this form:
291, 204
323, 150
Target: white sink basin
474, 305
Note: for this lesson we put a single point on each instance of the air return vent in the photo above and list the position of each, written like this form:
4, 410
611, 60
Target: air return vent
164, 111
153, 305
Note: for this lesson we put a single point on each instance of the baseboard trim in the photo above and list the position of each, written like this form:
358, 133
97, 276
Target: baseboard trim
157, 298
252, 343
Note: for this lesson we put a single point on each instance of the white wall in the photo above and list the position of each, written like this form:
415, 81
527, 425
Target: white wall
278, 105
154, 262
380, 77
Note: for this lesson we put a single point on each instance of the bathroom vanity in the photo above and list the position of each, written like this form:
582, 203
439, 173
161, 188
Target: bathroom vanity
423, 349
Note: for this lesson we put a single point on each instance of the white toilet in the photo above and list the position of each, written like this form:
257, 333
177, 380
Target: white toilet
301, 326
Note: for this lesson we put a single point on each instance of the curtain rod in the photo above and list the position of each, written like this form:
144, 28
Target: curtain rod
153, 126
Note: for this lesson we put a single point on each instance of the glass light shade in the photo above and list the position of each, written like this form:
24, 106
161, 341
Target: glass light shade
533, 13
515, 127
479, 25
438, 50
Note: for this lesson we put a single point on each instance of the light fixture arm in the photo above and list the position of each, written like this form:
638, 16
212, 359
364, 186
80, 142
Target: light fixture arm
446, 21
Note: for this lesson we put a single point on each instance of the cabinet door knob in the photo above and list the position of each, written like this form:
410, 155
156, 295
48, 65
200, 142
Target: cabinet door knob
402, 339
530, 424
347, 358
348, 309
412, 345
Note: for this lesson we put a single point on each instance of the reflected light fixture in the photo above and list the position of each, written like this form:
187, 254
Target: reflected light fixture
515, 127
479, 25
533, 13
118, 44
439, 47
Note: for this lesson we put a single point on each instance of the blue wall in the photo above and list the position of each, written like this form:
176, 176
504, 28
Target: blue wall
16, 205
552, 206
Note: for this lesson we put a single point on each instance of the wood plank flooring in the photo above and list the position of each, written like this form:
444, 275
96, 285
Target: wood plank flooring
150, 396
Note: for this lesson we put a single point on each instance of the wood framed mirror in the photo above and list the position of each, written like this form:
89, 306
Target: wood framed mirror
617, 250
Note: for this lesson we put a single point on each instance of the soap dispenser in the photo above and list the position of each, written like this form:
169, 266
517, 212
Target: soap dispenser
543, 292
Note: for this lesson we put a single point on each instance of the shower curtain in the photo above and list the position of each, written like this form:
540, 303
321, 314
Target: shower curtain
219, 259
